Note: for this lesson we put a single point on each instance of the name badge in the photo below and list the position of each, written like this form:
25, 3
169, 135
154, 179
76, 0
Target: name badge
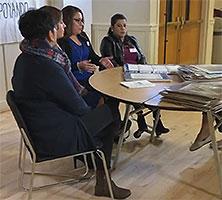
133, 50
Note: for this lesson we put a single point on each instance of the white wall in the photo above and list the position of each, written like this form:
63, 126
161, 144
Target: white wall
218, 4
136, 11
141, 22
86, 7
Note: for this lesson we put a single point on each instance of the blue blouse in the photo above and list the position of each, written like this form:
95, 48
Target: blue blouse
79, 53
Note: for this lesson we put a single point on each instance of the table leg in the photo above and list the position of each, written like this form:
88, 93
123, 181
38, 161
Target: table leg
155, 121
215, 149
121, 137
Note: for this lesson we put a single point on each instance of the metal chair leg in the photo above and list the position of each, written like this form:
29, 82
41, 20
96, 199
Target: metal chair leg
93, 161
31, 180
102, 156
22, 167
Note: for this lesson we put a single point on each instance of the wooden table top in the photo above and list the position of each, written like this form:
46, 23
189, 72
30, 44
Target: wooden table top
108, 83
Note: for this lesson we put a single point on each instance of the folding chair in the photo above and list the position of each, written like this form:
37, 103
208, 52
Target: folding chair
26, 144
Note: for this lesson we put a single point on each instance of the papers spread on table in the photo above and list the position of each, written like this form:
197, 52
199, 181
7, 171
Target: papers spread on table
210, 69
200, 72
148, 72
137, 84
201, 95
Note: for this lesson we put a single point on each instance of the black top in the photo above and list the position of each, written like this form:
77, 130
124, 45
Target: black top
50, 106
112, 46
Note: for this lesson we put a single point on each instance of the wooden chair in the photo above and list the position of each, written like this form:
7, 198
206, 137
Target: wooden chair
26, 144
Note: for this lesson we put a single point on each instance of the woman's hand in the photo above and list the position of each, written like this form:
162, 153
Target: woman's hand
106, 62
86, 65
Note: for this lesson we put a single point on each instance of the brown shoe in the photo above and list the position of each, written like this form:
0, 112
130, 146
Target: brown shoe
118, 192
198, 144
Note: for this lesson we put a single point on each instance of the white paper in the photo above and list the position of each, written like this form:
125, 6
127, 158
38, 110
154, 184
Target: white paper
137, 84
147, 76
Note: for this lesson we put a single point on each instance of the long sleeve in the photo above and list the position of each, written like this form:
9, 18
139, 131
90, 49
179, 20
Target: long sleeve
107, 50
92, 54
58, 85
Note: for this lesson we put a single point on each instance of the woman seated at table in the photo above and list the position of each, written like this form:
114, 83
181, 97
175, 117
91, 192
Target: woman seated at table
59, 126
123, 48
84, 60
78, 47
203, 136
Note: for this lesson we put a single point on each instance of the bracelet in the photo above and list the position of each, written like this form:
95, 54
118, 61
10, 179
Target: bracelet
77, 64
80, 70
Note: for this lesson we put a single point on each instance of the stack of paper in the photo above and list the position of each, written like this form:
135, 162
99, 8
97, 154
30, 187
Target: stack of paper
137, 84
200, 72
149, 68
147, 72
203, 96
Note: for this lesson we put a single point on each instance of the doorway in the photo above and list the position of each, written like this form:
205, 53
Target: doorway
179, 37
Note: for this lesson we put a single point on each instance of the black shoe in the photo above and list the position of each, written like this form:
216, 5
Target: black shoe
218, 121
160, 129
137, 134
220, 128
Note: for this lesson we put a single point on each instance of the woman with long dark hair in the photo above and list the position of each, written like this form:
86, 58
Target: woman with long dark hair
123, 48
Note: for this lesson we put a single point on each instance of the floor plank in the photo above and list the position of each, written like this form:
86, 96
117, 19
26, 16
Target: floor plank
164, 171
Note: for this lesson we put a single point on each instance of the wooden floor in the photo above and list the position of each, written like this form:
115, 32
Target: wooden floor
164, 171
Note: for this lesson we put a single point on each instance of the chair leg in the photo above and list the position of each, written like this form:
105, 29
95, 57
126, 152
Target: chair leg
86, 165
74, 163
31, 181
93, 161
102, 156
20, 153
22, 166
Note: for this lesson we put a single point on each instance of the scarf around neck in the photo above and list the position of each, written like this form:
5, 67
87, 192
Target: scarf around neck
42, 48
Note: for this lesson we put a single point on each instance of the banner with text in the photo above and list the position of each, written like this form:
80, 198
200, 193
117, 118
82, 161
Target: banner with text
10, 11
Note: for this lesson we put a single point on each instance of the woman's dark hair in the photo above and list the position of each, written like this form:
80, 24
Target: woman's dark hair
114, 19
68, 13
36, 24
54, 12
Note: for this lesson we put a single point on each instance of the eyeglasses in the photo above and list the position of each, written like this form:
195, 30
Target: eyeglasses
78, 20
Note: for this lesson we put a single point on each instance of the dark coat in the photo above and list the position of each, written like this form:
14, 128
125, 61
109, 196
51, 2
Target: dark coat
112, 46
50, 106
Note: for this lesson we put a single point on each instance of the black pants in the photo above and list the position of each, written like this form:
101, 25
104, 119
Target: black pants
102, 123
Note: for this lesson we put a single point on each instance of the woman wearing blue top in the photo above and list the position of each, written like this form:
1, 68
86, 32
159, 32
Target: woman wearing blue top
78, 47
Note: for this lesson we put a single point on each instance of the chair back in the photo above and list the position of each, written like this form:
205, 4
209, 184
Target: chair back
10, 97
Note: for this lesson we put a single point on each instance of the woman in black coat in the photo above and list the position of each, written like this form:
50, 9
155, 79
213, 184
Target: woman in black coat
123, 49
50, 100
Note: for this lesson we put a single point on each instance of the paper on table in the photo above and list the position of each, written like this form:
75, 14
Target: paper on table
137, 84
